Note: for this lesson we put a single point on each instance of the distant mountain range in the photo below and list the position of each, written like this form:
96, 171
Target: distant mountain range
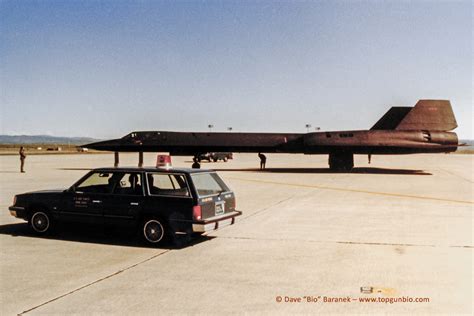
469, 143
45, 139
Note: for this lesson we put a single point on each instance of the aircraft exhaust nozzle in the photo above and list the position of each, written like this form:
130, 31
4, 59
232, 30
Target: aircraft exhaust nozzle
444, 138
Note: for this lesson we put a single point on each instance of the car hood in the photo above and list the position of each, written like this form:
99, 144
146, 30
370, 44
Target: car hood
46, 191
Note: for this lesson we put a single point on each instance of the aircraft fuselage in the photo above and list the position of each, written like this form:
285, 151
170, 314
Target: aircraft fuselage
356, 142
424, 128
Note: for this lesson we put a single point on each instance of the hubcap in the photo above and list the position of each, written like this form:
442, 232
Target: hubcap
40, 222
153, 231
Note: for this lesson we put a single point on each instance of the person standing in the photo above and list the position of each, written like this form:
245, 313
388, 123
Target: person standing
263, 160
22, 159
196, 164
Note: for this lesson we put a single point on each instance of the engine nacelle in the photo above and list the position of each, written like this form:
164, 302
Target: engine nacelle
442, 138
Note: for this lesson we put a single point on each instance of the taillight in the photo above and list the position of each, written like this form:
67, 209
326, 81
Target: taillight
197, 212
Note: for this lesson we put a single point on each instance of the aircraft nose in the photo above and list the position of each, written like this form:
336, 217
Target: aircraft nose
103, 145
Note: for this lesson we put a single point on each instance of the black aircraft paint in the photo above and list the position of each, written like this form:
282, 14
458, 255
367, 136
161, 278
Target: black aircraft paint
423, 128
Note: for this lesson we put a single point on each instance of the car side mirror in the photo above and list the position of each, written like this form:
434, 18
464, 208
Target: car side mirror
70, 190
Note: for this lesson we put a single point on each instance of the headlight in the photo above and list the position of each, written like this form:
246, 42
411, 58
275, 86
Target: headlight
14, 200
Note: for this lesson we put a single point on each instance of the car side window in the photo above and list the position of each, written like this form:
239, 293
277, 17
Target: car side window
167, 184
128, 184
97, 182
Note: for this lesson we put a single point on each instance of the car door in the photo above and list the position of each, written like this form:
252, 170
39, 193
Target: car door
85, 201
125, 205
170, 199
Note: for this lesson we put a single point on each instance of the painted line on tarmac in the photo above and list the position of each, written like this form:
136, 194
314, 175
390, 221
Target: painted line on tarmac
356, 191
95, 282
455, 175
265, 209
347, 242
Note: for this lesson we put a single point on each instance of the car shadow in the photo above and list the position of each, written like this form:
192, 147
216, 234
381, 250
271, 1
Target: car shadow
375, 171
92, 235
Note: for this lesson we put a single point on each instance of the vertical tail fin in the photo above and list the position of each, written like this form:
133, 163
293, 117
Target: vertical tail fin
433, 115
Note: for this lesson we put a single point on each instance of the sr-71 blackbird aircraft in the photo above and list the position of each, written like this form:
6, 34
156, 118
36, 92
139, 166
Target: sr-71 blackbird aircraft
423, 128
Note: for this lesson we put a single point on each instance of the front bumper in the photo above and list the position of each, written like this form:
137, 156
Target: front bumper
17, 211
216, 222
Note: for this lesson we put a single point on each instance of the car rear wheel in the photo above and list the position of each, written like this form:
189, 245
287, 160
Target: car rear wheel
153, 231
40, 222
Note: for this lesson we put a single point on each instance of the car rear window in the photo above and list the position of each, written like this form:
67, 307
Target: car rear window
208, 183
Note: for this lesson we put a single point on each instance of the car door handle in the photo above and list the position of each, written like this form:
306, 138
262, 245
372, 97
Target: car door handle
134, 203
96, 201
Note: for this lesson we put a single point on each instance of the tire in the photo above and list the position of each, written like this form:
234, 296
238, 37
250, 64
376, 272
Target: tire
215, 159
153, 231
225, 159
41, 222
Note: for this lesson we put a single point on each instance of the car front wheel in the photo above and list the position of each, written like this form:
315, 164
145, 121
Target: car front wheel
153, 231
40, 222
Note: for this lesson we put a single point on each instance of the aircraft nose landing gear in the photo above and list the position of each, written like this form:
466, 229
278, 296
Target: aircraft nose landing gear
341, 161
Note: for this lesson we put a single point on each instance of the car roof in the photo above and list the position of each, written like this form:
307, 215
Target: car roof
152, 169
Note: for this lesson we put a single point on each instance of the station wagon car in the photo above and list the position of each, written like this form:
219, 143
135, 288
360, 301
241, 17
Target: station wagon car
159, 203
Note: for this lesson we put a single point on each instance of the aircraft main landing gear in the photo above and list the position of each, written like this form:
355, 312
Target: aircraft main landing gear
341, 161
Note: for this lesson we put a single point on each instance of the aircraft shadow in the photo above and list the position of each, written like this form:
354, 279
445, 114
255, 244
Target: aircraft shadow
376, 171
205, 162
362, 170
92, 235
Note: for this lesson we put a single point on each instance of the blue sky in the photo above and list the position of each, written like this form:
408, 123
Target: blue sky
105, 68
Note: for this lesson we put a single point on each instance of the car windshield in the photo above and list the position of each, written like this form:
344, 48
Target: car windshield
97, 182
208, 184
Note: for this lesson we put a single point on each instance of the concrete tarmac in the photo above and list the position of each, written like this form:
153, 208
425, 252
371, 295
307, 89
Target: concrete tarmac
402, 228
